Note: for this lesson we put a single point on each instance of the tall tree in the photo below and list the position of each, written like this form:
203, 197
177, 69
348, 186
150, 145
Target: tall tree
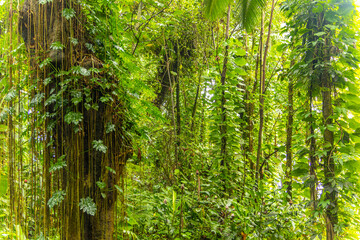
329, 163
223, 127
262, 90
85, 123
289, 135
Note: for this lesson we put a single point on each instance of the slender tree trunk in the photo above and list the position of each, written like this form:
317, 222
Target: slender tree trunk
312, 157
250, 114
329, 164
262, 89
289, 133
11, 160
178, 113
223, 127
249, 109
47, 182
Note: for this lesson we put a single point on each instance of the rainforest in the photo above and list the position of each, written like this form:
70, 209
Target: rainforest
179, 119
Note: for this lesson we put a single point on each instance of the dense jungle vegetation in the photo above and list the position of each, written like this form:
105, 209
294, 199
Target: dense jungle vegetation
179, 119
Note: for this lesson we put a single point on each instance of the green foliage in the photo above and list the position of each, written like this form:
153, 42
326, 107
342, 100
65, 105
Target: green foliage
214, 8
68, 13
111, 170
44, 63
160, 210
45, 1
249, 11
81, 70
110, 127
73, 117
59, 164
160, 71
99, 146
100, 184
88, 206
56, 199
56, 46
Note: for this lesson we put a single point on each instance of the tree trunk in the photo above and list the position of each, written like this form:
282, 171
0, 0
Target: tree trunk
289, 130
312, 157
178, 113
261, 100
329, 164
40, 26
262, 88
11, 137
223, 127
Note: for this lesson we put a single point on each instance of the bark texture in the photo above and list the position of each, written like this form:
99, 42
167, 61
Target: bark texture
40, 26
289, 130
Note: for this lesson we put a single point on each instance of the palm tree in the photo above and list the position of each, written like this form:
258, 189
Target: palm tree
247, 11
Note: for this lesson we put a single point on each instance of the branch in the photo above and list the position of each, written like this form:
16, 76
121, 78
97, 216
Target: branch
267, 158
143, 25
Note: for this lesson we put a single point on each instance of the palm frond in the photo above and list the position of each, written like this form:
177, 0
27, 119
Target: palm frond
249, 12
213, 8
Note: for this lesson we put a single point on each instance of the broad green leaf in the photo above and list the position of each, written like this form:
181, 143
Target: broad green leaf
331, 128
300, 170
240, 52
320, 34
352, 165
240, 61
